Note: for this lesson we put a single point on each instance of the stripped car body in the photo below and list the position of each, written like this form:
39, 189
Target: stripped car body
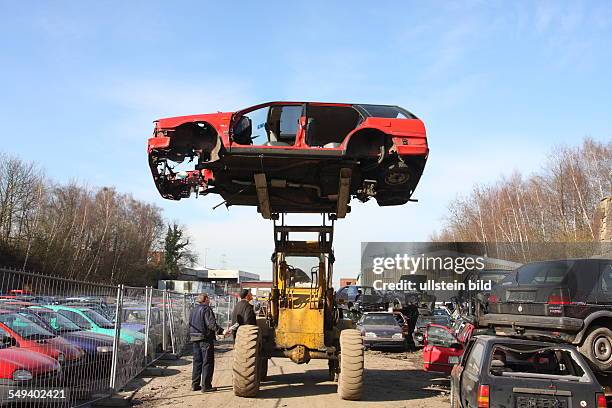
292, 157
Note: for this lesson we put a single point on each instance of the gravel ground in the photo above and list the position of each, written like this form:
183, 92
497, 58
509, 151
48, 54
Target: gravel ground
392, 380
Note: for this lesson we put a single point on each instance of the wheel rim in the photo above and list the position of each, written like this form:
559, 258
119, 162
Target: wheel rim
395, 178
602, 347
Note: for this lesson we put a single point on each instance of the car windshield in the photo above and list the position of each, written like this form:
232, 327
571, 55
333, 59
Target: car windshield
25, 327
390, 112
544, 272
534, 361
380, 320
98, 319
58, 322
439, 336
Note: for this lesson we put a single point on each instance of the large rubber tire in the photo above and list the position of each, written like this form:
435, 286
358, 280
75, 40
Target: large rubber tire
246, 362
350, 381
597, 348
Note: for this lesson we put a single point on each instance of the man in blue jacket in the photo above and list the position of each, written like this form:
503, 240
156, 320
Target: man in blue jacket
203, 329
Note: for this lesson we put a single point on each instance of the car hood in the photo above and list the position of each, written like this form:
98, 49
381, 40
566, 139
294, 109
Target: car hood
27, 359
88, 340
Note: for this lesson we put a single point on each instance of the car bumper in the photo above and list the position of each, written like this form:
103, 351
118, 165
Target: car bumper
386, 342
518, 324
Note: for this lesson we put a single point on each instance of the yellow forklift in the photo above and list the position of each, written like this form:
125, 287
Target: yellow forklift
302, 322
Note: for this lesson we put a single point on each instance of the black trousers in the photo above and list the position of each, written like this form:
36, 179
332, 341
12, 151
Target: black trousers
203, 363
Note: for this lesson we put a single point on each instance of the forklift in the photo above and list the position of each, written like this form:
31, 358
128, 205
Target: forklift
303, 321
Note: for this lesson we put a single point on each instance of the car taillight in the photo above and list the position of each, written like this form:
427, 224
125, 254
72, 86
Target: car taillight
493, 299
601, 401
559, 297
483, 396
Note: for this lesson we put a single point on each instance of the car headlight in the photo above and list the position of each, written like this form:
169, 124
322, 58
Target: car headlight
61, 358
370, 334
397, 336
104, 349
22, 375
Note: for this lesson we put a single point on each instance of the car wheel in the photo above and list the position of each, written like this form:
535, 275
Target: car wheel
597, 348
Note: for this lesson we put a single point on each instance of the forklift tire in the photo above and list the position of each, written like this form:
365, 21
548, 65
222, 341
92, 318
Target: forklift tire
350, 381
246, 362
263, 369
597, 348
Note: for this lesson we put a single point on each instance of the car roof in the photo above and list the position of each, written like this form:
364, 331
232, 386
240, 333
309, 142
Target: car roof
513, 340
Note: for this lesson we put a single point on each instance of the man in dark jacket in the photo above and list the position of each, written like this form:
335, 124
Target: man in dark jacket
243, 312
203, 329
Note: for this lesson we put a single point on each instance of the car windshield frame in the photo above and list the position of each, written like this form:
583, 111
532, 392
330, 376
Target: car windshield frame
384, 111
31, 331
97, 318
65, 325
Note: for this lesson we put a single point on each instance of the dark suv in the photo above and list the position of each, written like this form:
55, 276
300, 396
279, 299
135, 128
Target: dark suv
564, 300
504, 372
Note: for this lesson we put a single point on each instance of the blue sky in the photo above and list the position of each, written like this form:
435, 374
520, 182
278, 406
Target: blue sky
498, 84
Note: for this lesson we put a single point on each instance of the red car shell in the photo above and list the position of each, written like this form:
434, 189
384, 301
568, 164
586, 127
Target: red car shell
442, 349
383, 149
51, 345
16, 358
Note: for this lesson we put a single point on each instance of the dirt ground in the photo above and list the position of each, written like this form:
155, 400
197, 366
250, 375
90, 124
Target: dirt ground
392, 380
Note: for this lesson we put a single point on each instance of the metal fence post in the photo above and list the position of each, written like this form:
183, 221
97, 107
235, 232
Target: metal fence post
164, 304
148, 296
117, 337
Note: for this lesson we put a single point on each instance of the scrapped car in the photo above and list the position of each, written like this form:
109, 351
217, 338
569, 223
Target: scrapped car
90, 320
30, 336
291, 157
441, 349
563, 300
423, 321
383, 329
98, 348
20, 367
134, 318
505, 372
362, 298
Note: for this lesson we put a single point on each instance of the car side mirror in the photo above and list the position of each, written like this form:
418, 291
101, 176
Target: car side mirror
456, 346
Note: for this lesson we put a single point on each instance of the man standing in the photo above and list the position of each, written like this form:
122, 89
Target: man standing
243, 312
202, 330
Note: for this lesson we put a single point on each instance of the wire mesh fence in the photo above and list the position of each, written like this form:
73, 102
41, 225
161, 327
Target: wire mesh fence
71, 342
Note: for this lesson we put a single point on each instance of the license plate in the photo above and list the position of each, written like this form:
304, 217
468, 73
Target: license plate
453, 360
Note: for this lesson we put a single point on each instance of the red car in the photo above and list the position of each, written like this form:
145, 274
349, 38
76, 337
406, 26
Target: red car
443, 349
292, 156
21, 367
27, 335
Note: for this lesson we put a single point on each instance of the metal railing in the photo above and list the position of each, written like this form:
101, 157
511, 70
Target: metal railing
78, 341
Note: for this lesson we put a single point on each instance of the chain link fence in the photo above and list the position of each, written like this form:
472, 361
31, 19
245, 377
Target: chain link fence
71, 342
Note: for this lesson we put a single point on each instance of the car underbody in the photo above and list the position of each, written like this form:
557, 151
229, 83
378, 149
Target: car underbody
195, 155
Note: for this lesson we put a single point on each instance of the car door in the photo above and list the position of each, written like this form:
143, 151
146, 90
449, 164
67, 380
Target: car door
442, 349
470, 375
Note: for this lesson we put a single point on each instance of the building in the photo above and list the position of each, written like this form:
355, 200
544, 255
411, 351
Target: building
212, 281
347, 282
259, 289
